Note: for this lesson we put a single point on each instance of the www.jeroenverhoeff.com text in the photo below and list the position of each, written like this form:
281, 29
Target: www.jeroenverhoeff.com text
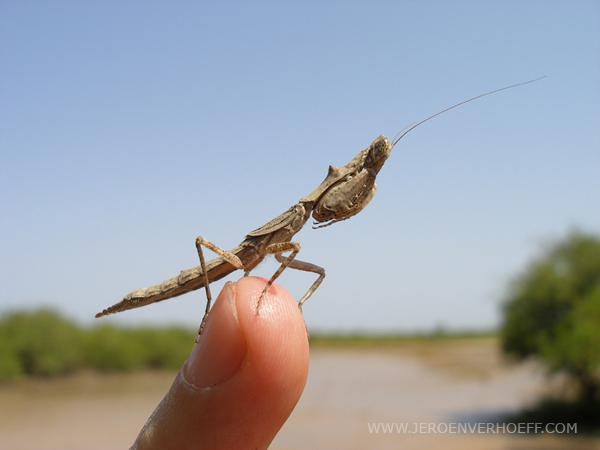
472, 428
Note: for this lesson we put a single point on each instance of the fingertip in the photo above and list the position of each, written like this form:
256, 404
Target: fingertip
246, 408
276, 317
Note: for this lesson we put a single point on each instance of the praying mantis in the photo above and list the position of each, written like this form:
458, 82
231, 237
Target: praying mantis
345, 192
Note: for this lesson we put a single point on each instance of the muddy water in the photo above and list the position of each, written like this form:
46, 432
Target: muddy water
438, 383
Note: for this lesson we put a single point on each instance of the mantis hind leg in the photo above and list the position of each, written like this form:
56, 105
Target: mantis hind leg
306, 267
292, 263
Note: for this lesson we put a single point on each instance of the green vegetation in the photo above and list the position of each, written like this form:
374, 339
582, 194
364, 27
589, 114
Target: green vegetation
553, 312
358, 340
42, 343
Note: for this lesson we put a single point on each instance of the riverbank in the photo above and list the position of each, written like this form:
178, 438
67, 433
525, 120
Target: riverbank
437, 381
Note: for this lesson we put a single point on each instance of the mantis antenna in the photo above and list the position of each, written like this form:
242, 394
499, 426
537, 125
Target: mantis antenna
397, 139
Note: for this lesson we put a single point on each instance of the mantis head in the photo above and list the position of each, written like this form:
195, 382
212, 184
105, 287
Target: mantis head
378, 152
353, 191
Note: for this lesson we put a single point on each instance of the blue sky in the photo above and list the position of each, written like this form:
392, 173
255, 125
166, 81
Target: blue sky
129, 128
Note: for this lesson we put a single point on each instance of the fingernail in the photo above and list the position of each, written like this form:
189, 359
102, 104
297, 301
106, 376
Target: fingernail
221, 348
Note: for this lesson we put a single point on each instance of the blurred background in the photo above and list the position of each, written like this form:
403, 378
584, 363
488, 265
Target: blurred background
128, 129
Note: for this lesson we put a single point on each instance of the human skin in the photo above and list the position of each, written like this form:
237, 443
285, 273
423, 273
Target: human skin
242, 379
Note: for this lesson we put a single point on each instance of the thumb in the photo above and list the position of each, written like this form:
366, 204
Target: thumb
242, 379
